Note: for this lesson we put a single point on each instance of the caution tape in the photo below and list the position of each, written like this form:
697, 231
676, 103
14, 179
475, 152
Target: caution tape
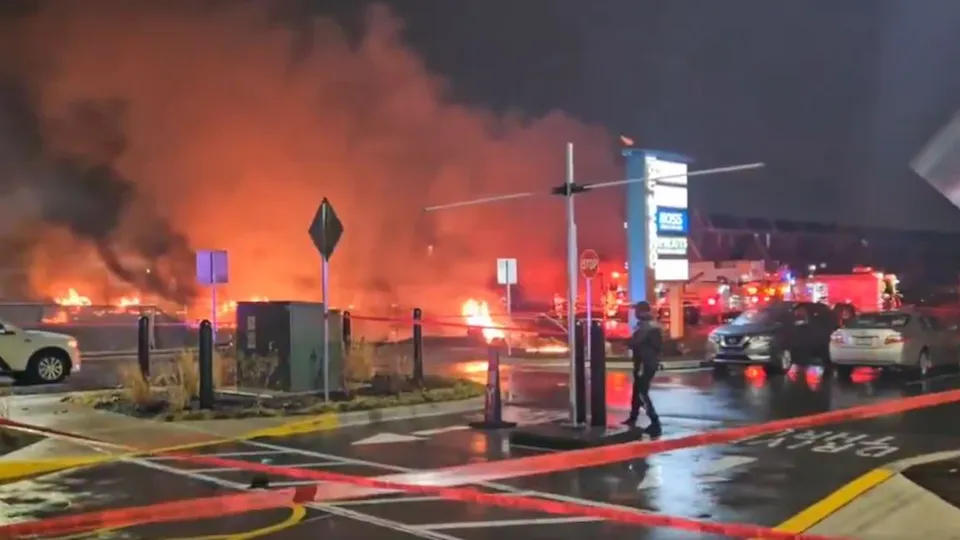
197, 509
190, 509
205, 508
593, 457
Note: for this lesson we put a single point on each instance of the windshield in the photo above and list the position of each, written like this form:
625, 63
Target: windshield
879, 320
756, 316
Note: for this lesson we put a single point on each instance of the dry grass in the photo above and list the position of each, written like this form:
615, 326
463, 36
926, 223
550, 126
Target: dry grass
359, 362
255, 371
135, 386
177, 382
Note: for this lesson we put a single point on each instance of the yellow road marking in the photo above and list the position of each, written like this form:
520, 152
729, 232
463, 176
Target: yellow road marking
297, 513
819, 511
12, 470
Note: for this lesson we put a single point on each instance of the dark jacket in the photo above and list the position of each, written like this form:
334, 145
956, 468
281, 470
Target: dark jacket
646, 345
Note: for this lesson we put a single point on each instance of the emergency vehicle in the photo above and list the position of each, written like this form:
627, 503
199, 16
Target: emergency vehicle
863, 289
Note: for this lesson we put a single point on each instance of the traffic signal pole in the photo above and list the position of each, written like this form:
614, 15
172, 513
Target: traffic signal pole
568, 190
571, 285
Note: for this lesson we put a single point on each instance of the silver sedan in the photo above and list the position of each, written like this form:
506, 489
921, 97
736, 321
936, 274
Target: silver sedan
894, 339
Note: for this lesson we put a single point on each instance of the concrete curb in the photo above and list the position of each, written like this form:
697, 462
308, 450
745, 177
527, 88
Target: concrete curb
815, 518
19, 469
326, 422
668, 365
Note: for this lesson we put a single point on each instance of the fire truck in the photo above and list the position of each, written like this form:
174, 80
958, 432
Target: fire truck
864, 289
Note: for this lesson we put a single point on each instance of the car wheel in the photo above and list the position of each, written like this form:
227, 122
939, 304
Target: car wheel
47, 367
844, 372
720, 370
781, 364
924, 364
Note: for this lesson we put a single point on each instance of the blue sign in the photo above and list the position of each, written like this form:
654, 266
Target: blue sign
672, 221
212, 267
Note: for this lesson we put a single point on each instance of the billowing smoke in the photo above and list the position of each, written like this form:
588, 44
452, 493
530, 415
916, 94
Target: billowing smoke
62, 171
149, 129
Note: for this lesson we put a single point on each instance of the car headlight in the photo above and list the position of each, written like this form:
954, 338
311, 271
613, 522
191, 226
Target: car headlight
72, 343
760, 341
713, 337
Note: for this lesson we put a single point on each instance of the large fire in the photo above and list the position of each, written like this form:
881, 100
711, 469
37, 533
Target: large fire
226, 310
477, 315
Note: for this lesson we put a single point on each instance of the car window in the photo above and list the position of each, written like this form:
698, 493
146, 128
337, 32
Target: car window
756, 316
932, 322
878, 321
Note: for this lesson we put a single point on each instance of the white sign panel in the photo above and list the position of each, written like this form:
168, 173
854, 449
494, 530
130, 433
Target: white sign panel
672, 245
671, 270
667, 188
507, 271
212, 267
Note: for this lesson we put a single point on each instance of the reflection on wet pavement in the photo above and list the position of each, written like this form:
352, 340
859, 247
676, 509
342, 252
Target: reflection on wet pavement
763, 480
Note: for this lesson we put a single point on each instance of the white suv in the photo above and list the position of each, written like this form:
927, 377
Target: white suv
35, 356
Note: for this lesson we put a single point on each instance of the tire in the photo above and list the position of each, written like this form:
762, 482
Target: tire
720, 370
924, 364
844, 373
48, 366
781, 364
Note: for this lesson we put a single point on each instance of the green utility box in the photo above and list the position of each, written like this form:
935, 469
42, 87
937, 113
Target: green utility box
280, 347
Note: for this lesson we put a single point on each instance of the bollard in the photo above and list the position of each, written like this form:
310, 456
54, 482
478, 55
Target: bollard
598, 376
205, 359
492, 404
347, 331
143, 345
580, 374
417, 347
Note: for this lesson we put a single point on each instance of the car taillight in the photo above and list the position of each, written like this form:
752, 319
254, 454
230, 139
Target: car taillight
837, 338
895, 339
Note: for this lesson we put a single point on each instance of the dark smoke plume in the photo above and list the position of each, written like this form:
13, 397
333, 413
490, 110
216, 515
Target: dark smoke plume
158, 122
68, 165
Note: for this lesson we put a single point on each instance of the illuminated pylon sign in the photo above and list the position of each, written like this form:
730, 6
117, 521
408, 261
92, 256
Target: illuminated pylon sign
658, 221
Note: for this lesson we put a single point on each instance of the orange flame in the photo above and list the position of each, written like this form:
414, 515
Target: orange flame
477, 314
73, 298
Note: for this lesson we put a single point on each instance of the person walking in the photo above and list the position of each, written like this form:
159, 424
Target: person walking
646, 347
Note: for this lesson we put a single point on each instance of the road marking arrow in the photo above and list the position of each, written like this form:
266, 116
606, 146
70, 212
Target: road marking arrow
711, 474
386, 438
438, 431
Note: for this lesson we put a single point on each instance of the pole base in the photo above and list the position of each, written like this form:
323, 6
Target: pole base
490, 425
558, 437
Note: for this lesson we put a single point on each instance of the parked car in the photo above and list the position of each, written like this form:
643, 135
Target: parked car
34, 356
775, 336
903, 339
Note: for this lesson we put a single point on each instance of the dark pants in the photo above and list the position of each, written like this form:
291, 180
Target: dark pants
641, 395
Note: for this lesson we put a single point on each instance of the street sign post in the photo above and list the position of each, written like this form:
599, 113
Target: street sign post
569, 189
325, 231
589, 266
212, 271
507, 276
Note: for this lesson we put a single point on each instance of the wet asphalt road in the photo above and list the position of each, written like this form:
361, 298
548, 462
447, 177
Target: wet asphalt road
762, 481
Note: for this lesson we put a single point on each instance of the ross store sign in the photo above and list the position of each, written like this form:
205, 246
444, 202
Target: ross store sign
672, 221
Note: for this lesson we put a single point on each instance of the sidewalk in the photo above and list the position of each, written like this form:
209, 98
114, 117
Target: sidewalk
898, 507
124, 435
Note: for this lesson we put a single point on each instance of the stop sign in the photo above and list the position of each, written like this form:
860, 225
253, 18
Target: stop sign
589, 263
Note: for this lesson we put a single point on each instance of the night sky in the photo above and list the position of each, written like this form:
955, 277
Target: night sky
836, 97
